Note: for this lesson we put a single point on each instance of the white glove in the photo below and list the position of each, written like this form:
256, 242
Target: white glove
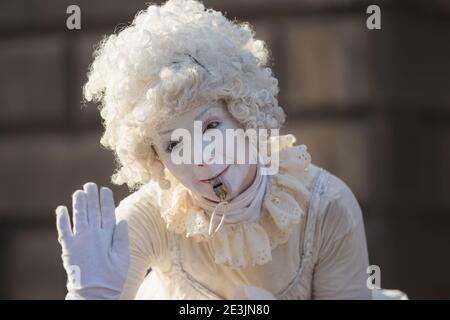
95, 255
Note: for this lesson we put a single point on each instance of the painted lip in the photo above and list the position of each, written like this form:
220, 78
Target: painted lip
220, 174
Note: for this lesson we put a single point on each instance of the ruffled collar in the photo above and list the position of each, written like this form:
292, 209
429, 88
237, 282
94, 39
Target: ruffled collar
249, 243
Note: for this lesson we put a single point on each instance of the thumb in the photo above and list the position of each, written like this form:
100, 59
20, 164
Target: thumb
120, 238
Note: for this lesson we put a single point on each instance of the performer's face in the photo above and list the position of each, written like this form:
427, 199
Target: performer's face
212, 121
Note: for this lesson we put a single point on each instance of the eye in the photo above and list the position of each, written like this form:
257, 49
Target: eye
212, 125
171, 145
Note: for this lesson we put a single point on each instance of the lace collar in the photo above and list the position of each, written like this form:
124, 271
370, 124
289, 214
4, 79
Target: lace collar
249, 243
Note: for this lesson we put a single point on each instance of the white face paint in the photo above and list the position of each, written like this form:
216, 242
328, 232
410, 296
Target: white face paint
199, 177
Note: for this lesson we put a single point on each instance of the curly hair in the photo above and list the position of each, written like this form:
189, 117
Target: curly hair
171, 57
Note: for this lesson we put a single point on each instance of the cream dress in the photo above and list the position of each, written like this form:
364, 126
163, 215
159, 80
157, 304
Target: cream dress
308, 242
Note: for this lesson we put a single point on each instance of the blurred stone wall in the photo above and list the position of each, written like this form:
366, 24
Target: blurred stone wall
372, 107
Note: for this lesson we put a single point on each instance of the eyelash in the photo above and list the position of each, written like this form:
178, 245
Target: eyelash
173, 144
214, 121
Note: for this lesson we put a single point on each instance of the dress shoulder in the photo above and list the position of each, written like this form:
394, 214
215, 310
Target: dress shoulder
339, 207
340, 255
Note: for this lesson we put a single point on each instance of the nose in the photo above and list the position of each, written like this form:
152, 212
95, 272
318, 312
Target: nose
202, 164
205, 159
200, 161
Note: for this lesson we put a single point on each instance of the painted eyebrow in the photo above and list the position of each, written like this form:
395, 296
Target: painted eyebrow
196, 118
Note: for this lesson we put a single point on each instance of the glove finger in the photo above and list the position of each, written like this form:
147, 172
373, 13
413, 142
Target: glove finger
93, 206
120, 238
63, 226
108, 208
79, 204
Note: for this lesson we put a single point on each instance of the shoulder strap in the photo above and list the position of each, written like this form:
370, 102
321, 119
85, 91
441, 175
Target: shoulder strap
320, 186
307, 238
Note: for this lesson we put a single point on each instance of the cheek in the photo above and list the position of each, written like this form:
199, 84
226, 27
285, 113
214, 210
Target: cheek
183, 172
185, 175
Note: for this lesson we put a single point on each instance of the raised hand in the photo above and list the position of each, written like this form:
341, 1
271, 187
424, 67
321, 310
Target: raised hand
95, 253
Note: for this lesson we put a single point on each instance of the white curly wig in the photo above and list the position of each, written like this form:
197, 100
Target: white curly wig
170, 58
